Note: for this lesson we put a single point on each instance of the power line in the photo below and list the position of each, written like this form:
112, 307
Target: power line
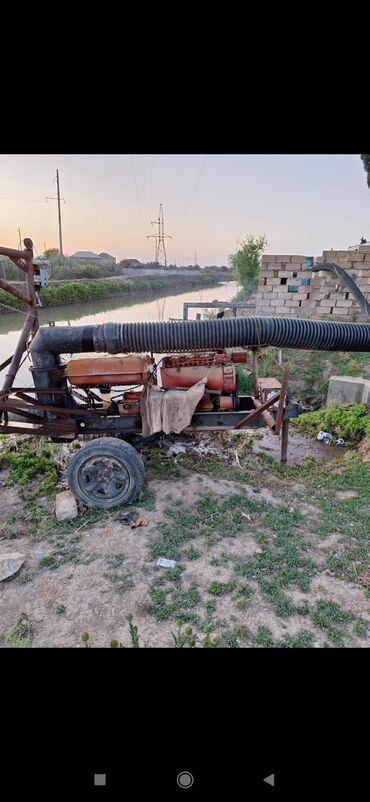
21, 200
137, 194
192, 194
24, 180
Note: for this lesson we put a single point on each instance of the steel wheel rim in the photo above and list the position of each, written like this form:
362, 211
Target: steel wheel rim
104, 478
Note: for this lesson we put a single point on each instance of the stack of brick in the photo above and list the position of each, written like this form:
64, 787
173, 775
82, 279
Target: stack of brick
287, 286
284, 285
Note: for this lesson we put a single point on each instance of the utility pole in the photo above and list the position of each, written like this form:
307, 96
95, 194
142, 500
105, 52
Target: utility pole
160, 247
59, 214
60, 219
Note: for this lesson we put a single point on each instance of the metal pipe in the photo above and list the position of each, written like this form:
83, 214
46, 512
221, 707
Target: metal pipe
284, 437
19, 351
346, 279
267, 417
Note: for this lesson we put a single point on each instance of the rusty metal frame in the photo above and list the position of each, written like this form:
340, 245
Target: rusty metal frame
24, 261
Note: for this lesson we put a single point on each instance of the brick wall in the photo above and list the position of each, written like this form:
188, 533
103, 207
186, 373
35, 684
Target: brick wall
288, 287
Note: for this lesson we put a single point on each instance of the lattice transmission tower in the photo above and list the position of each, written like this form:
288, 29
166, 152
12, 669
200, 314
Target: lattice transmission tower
160, 237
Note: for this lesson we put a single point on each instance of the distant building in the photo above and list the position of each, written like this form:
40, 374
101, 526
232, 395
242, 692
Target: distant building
106, 257
88, 256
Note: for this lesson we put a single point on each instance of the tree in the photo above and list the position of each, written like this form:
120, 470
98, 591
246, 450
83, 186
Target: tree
366, 163
246, 261
51, 253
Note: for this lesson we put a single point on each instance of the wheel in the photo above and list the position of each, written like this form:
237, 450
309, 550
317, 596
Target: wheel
106, 473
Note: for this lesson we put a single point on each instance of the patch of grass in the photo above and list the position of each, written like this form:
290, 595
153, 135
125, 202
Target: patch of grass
22, 634
243, 596
163, 466
220, 588
121, 579
330, 616
173, 602
210, 518
264, 638
60, 555
279, 601
282, 567
192, 553
215, 466
146, 499
231, 637
361, 628
27, 463
302, 640
210, 607
309, 371
60, 610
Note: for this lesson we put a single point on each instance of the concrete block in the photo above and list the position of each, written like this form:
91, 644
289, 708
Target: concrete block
267, 288
356, 257
344, 303
268, 258
285, 274
348, 390
273, 282
329, 255
269, 296
325, 310
284, 259
65, 506
280, 310
364, 248
343, 254
326, 302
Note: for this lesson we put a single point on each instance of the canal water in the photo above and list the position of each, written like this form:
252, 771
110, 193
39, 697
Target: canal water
149, 307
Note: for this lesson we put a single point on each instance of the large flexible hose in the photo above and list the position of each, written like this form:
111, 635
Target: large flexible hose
118, 338
230, 332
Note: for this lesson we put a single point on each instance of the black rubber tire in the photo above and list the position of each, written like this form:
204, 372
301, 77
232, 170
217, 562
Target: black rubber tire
87, 466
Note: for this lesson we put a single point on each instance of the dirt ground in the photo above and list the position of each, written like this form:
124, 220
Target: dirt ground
258, 561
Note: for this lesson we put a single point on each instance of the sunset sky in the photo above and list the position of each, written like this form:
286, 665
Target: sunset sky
302, 204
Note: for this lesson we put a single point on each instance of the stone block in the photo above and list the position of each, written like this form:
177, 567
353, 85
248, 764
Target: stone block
65, 506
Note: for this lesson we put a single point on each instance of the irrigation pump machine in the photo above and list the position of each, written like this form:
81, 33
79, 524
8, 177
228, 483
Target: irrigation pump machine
136, 380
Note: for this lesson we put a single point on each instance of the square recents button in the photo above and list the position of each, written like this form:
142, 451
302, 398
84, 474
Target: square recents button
100, 779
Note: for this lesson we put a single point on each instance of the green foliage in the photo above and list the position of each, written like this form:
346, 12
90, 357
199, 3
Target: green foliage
220, 588
350, 421
326, 614
21, 635
246, 261
51, 253
366, 162
133, 632
26, 463
80, 291
245, 381
183, 637
302, 640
